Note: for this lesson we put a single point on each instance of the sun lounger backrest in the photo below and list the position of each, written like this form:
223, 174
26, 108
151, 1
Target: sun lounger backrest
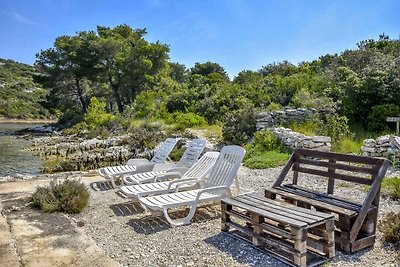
203, 166
192, 153
226, 167
163, 151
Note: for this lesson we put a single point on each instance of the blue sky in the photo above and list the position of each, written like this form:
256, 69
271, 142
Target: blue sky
237, 34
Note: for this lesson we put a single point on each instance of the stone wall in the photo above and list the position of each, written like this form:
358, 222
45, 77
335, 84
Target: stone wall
297, 140
387, 146
268, 119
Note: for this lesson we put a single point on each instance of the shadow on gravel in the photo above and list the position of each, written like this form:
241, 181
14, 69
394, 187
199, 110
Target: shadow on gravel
156, 222
101, 186
241, 251
126, 209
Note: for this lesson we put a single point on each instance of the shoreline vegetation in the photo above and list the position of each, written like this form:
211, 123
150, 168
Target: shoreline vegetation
28, 121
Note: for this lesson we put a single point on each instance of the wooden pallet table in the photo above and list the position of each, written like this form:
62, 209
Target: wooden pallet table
295, 235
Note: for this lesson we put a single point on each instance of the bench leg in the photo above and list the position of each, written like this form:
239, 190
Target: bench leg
300, 246
257, 230
225, 217
345, 226
329, 238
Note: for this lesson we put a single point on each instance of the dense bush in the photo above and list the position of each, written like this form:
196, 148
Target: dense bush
239, 126
335, 126
377, 117
186, 120
265, 151
69, 196
390, 228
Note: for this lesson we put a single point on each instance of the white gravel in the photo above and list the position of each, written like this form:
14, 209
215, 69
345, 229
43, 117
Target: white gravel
137, 238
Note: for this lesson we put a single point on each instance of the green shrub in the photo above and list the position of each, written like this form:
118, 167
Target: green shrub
186, 120
239, 126
348, 145
274, 107
69, 196
377, 117
335, 126
265, 151
96, 115
390, 228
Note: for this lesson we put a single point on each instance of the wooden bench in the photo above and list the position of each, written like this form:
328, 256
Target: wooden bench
295, 235
355, 221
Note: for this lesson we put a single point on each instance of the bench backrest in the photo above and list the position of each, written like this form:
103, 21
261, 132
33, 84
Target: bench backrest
335, 166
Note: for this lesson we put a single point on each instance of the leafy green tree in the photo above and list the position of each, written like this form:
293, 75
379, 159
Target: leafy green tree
284, 68
128, 62
208, 68
179, 72
67, 66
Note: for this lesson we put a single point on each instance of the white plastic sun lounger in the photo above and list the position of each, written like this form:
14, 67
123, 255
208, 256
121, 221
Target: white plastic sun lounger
191, 179
169, 170
139, 164
216, 187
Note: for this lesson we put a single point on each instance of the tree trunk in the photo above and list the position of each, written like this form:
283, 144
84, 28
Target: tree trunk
115, 88
133, 94
81, 96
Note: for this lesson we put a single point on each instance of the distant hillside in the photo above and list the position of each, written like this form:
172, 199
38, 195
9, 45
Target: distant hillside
19, 94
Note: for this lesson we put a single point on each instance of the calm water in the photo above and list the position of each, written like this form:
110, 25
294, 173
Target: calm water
14, 159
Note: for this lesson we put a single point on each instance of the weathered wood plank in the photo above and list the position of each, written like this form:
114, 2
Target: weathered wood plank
331, 181
264, 213
291, 209
338, 156
372, 193
332, 164
285, 170
315, 203
275, 213
341, 202
339, 176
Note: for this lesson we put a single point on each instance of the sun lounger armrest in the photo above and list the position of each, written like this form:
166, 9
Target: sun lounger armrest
137, 162
167, 176
164, 166
181, 170
217, 189
180, 182
148, 167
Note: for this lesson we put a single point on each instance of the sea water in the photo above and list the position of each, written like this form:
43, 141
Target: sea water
15, 158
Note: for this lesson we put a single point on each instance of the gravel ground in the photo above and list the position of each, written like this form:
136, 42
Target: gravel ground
134, 237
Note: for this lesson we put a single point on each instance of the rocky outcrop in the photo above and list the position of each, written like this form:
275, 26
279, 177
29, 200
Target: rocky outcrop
387, 146
70, 153
269, 119
66, 153
294, 140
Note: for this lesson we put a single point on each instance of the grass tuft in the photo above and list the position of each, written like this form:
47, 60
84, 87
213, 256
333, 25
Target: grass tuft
267, 159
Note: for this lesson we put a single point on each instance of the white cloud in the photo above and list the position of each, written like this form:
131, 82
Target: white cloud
23, 19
